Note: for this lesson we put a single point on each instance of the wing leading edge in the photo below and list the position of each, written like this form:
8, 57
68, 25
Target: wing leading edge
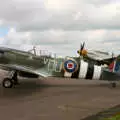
11, 67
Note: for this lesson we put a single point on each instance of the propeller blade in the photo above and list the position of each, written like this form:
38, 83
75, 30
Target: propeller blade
82, 47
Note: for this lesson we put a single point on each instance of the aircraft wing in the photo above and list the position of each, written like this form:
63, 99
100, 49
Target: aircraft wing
41, 71
100, 56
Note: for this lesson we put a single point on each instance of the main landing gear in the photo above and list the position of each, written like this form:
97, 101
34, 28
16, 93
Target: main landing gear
8, 82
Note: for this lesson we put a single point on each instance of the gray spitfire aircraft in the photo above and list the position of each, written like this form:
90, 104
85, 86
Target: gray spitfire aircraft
30, 65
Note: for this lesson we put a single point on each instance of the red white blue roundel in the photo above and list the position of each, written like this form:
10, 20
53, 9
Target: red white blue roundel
70, 66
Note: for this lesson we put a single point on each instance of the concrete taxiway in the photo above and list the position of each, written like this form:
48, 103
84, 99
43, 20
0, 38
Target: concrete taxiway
56, 99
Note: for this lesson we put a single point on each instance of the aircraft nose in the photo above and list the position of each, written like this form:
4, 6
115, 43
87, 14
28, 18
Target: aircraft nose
84, 52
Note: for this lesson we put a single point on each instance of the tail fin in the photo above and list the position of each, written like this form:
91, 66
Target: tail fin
112, 66
115, 65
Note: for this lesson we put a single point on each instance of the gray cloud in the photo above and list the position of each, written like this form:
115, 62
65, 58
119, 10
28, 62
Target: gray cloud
98, 2
112, 36
42, 15
61, 27
66, 42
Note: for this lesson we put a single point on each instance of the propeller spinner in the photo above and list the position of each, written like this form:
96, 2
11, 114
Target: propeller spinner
82, 51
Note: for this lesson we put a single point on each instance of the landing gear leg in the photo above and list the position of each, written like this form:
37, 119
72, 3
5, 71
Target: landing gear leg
8, 82
14, 78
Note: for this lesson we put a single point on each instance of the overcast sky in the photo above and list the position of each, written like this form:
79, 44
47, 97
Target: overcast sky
60, 25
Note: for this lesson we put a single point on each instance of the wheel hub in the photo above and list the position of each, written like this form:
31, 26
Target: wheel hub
7, 83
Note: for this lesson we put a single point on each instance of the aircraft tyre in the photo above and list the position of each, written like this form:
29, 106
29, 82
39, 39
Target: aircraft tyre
7, 83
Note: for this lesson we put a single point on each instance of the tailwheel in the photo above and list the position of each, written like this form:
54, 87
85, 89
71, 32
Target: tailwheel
7, 83
113, 84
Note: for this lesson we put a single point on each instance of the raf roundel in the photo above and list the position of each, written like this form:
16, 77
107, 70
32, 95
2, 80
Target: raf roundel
70, 66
